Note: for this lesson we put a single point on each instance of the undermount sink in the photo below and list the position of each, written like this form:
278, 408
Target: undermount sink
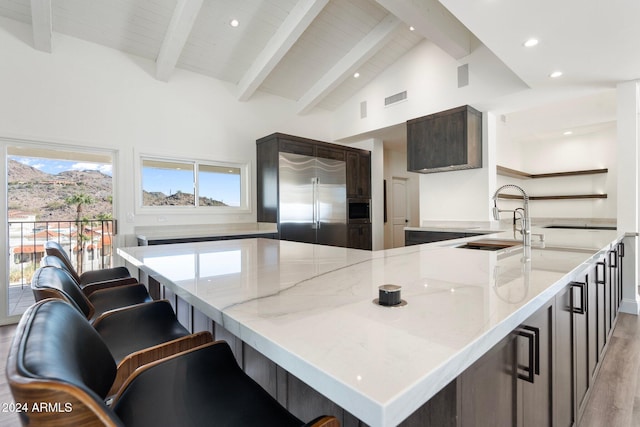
581, 227
490, 244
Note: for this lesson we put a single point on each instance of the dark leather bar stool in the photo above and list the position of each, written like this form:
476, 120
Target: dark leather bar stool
53, 282
88, 288
135, 334
201, 387
53, 248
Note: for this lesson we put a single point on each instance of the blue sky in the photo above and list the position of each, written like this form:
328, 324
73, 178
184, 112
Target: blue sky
54, 167
217, 186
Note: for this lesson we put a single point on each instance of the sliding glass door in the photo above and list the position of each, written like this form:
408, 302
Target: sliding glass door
59, 193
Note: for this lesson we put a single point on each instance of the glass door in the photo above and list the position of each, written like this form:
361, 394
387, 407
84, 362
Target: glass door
56, 193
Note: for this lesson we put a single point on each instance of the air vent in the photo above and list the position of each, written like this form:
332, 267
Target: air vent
463, 75
395, 98
363, 109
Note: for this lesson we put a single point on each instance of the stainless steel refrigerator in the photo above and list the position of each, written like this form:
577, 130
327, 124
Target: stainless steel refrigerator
312, 199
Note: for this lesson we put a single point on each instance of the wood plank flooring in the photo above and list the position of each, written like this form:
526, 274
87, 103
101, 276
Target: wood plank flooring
614, 400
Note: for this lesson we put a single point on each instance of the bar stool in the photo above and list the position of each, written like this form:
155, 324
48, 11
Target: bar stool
53, 248
87, 288
56, 358
135, 334
53, 282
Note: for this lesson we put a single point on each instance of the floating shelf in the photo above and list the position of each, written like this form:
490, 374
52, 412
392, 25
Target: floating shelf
501, 170
563, 197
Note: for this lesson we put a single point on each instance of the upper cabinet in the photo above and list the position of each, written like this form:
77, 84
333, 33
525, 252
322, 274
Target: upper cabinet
359, 175
445, 141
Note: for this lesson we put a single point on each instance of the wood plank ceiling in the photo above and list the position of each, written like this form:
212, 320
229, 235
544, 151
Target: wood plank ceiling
306, 50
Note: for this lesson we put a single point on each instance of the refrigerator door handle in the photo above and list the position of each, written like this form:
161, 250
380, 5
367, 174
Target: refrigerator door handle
317, 202
314, 200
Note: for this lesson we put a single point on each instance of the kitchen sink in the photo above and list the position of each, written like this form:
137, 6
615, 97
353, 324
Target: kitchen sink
490, 244
581, 227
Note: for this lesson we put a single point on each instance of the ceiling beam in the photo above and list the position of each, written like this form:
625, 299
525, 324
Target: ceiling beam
184, 16
434, 22
42, 24
354, 59
298, 20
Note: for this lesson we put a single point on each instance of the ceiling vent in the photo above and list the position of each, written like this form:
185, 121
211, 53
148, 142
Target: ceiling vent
363, 109
389, 100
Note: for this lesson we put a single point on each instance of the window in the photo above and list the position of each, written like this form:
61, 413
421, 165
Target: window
218, 186
166, 183
191, 183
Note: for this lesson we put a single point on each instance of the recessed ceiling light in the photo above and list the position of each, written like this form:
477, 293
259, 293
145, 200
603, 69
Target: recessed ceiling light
568, 132
356, 75
555, 74
234, 23
412, 28
530, 42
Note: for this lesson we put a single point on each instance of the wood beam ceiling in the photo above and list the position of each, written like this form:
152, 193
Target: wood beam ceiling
298, 20
343, 69
42, 24
434, 22
184, 16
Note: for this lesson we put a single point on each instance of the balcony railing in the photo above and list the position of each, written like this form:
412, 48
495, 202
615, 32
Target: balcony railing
88, 244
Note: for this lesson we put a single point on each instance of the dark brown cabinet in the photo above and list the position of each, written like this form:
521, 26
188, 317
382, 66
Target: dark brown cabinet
586, 312
574, 346
563, 407
445, 141
359, 236
488, 387
535, 359
359, 175
542, 373
582, 342
512, 384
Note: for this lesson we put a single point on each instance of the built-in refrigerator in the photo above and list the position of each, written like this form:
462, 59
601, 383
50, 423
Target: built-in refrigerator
312, 199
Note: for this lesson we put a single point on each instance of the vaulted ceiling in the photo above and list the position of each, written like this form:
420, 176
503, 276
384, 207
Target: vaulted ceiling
307, 50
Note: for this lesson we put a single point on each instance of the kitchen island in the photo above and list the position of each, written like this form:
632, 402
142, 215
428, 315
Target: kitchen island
309, 308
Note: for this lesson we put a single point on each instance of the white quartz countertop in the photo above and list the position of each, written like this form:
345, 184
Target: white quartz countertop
309, 307
150, 233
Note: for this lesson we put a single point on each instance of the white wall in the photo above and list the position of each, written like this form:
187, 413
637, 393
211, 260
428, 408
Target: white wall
463, 195
87, 95
594, 150
628, 126
430, 77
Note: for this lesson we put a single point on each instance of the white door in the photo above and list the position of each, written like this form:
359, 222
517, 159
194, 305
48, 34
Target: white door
399, 210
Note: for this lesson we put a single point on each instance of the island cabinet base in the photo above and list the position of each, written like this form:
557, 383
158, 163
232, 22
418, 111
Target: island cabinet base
295, 395
540, 374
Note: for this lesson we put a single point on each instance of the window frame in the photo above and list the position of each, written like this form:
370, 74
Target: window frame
196, 208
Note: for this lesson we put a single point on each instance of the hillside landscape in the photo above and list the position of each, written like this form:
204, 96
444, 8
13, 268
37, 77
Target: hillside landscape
34, 192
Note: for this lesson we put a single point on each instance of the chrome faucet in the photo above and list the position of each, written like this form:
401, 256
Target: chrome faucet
526, 220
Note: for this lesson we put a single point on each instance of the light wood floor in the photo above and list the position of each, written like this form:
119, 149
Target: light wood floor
615, 397
614, 401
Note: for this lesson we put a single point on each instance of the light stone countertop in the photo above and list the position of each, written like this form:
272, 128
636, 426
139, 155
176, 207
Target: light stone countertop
150, 233
309, 308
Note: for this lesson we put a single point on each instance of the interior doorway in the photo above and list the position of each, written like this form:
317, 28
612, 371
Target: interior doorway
53, 193
399, 209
